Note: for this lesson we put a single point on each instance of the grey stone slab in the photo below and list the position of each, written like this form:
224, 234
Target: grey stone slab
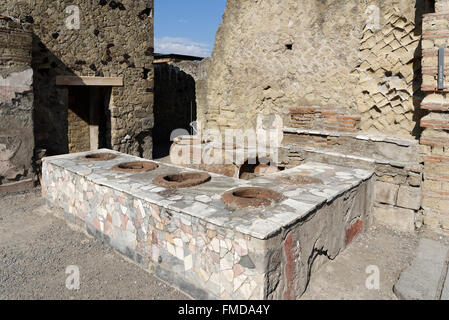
421, 280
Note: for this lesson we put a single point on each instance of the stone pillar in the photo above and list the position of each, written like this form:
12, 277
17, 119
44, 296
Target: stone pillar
16, 106
435, 137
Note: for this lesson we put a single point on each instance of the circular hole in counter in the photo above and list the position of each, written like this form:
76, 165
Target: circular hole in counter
182, 180
251, 197
135, 166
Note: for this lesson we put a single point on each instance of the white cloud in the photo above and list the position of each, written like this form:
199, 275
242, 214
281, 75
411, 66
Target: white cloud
181, 46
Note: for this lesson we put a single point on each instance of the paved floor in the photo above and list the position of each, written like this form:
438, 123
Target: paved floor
36, 248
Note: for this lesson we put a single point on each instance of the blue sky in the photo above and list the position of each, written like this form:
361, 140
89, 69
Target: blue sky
186, 26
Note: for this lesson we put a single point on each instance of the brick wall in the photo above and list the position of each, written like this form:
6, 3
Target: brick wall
326, 118
435, 137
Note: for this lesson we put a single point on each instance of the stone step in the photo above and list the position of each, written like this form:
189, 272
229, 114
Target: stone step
348, 160
23, 185
423, 279
366, 147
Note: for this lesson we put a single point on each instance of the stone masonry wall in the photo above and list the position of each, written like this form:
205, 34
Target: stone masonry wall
115, 38
359, 58
16, 105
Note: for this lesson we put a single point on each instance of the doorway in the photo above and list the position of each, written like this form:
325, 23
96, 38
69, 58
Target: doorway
88, 118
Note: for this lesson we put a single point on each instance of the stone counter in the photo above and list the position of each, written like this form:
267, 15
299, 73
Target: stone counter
190, 238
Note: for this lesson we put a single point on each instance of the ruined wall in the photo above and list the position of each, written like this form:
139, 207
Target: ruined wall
16, 105
357, 57
114, 39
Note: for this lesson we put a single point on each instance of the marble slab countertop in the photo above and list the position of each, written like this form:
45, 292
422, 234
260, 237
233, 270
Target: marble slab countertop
204, 201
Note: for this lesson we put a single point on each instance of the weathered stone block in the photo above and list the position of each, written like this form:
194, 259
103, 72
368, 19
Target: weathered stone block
421, 280
414, 180
409, 197
385, 192
396, 218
